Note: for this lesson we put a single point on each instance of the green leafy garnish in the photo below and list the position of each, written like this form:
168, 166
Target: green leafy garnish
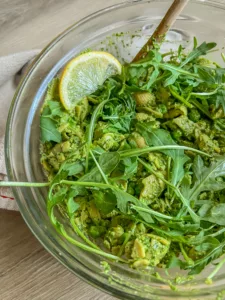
137, 170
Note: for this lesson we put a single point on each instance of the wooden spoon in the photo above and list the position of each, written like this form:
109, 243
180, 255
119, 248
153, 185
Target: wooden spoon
166, 23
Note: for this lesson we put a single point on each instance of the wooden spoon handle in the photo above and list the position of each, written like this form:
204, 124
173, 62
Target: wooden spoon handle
166, 23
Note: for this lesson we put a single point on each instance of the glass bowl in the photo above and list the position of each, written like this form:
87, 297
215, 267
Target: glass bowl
137, 20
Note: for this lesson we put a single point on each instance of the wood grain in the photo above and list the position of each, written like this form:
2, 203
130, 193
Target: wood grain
166, 23
28, 271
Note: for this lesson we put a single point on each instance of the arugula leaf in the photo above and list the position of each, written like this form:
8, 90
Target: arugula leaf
185, 184
219, 75
124, 198
206, 177
55, 108
49, 130
178, 168
200, 50
175, 73
134, 75
219, 125
77, 191
57, 197
119, 113
157, 137
131, 165
204, 208
179, 51
175, 262
206, 74
195, 42
104, 177
108, 162
73, 168
146, 216
201, 107
72, 206
213, 213
201, 263
143, 208
220, 99
140, 151
171, 79
152, 78
153, 57
126, 168
183, 227
208, 244
185, 202
104, 201
91, 127
160, 137
179, 97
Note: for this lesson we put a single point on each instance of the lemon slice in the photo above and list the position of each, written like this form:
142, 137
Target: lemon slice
84, 74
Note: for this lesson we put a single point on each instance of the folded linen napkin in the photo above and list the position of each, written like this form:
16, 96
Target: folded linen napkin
12, 69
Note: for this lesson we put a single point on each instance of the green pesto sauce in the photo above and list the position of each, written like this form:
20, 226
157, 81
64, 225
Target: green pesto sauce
164, 208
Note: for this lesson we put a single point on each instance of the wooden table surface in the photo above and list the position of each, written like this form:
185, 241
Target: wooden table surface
27, 270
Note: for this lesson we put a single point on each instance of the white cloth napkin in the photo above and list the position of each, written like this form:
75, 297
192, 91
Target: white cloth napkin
12, 67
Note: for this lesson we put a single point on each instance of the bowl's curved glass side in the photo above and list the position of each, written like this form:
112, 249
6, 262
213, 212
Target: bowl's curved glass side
22, 141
